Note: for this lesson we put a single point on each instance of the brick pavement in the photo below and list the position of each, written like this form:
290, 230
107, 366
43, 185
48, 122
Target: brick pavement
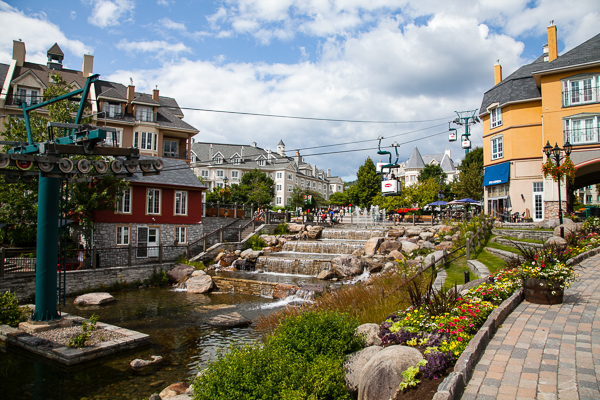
546, 352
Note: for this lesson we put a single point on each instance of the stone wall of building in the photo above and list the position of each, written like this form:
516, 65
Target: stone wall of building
83, 280
105, 233
551, 209
244, 286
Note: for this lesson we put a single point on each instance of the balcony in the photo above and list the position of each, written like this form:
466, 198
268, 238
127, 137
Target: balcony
582, 136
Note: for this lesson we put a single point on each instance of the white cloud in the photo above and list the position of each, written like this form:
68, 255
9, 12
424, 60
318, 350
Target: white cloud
38, 33
73, 15
164, 2
181, 29
106, 13
389, 73
159, 47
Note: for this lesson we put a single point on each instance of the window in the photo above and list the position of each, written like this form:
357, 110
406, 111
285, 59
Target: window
170, 148
339, 188
580, 90
112, 110
235, 175
538, 201
180, 203
278, 200
219, 184
278, 188
588, 199
143, 140
497, 147
218, 160
220, 173
290, 178
314, 185
204, 173
495, 118
290, 188
261, 163
301, 182
123, 235
27, 96
180, 235
581, 131
144, 114
113, 141
237, 161
124, 202
279, 175
153, 201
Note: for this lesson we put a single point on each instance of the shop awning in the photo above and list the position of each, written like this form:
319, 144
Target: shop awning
496, 174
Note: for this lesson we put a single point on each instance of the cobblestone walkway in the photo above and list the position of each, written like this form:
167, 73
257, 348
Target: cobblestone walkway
546, 352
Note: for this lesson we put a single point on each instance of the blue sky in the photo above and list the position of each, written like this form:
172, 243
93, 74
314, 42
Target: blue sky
384, 60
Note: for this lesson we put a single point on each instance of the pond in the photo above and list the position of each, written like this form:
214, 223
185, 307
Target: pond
175, 321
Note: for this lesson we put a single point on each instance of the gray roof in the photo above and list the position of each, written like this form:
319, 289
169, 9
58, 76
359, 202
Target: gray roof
175, 173
55, 50
521, 85
447, 164
168, 110
280, 143
3, 71
415, 160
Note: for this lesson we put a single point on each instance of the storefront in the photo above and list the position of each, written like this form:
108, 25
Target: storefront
497, 193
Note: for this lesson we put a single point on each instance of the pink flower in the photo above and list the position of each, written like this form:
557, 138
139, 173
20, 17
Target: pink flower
441, 324
460, 339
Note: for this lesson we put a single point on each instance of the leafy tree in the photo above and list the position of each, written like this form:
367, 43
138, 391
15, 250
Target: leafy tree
367, 185
297, 197
432, 171
255, 188
339, 199
470, 178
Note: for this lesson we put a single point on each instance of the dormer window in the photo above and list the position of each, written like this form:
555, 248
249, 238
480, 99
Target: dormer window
112, 110
27, 96
144, 114
261, 162
218, 160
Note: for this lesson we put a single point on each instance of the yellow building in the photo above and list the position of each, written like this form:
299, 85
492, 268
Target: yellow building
554, 99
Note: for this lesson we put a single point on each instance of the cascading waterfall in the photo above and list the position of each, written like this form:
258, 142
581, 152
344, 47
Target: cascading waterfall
322, 247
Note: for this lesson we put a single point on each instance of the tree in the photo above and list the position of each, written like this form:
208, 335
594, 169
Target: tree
470, 177
367, 185
432, 171
339, 199
255, 188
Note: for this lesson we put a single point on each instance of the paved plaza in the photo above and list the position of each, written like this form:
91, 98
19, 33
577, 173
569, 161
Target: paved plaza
546, 352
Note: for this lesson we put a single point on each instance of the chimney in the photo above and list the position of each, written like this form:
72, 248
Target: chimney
253, 144
328, 172
297, 158
19, 52
315, 170
242, 153
155, 94
497, 73
210, 153
130, 96
552, 47
447, 152
87, 67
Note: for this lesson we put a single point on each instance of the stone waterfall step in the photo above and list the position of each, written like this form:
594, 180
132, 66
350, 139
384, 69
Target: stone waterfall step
294, 266
361, 234
326, 247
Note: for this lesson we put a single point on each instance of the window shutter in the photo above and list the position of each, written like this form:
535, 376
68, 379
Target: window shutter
135, 139
142, 241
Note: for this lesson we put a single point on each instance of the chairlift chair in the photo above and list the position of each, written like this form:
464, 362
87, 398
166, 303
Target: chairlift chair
452, 136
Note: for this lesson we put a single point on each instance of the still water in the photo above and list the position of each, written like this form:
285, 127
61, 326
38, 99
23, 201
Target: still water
175, 321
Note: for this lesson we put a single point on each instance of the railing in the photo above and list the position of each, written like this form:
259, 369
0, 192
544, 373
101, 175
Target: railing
582, 135
230, 233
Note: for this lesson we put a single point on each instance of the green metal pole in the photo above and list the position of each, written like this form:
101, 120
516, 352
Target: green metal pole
47, 250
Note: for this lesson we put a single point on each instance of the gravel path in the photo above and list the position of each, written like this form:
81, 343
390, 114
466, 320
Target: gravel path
60, 337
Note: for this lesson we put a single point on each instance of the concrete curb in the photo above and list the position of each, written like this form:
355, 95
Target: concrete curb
478, 268
577, 259
453, 386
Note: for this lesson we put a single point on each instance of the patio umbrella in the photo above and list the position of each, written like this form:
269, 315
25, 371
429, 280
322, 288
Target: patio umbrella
437, 203
467, 201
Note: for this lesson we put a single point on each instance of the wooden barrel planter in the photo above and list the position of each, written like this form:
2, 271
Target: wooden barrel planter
541, 291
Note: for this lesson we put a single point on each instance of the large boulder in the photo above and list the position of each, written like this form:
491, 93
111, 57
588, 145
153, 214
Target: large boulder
548, 224
314, 232
241, 265
409, 247
309, 292
445, 229
447, 245
199, 284
325, 275
174, 390
382, 374
229, 320
354, 364
556, 241
295, 228
426, 245
371, 334
396, 233
569, 226
179, 271
251, 255
282, 290
139, 363
347, 265
93, 299
396, 255
426, 235
389, 245
372, 245
270, 240
435, 256
410, 232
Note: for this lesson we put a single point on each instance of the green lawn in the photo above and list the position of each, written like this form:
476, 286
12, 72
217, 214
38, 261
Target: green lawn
502, 247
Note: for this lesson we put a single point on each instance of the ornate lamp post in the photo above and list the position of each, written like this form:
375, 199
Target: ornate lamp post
555, 152
225, 180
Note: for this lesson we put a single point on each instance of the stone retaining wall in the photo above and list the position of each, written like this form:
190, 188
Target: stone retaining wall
527, 233
88, 279
244, 286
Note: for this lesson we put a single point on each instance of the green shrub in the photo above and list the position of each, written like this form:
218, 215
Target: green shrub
10, 311
256, 243
157, 279
281, 229
303, 359
82, 338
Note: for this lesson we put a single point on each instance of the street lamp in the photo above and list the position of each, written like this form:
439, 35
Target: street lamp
557, 158
225, 180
